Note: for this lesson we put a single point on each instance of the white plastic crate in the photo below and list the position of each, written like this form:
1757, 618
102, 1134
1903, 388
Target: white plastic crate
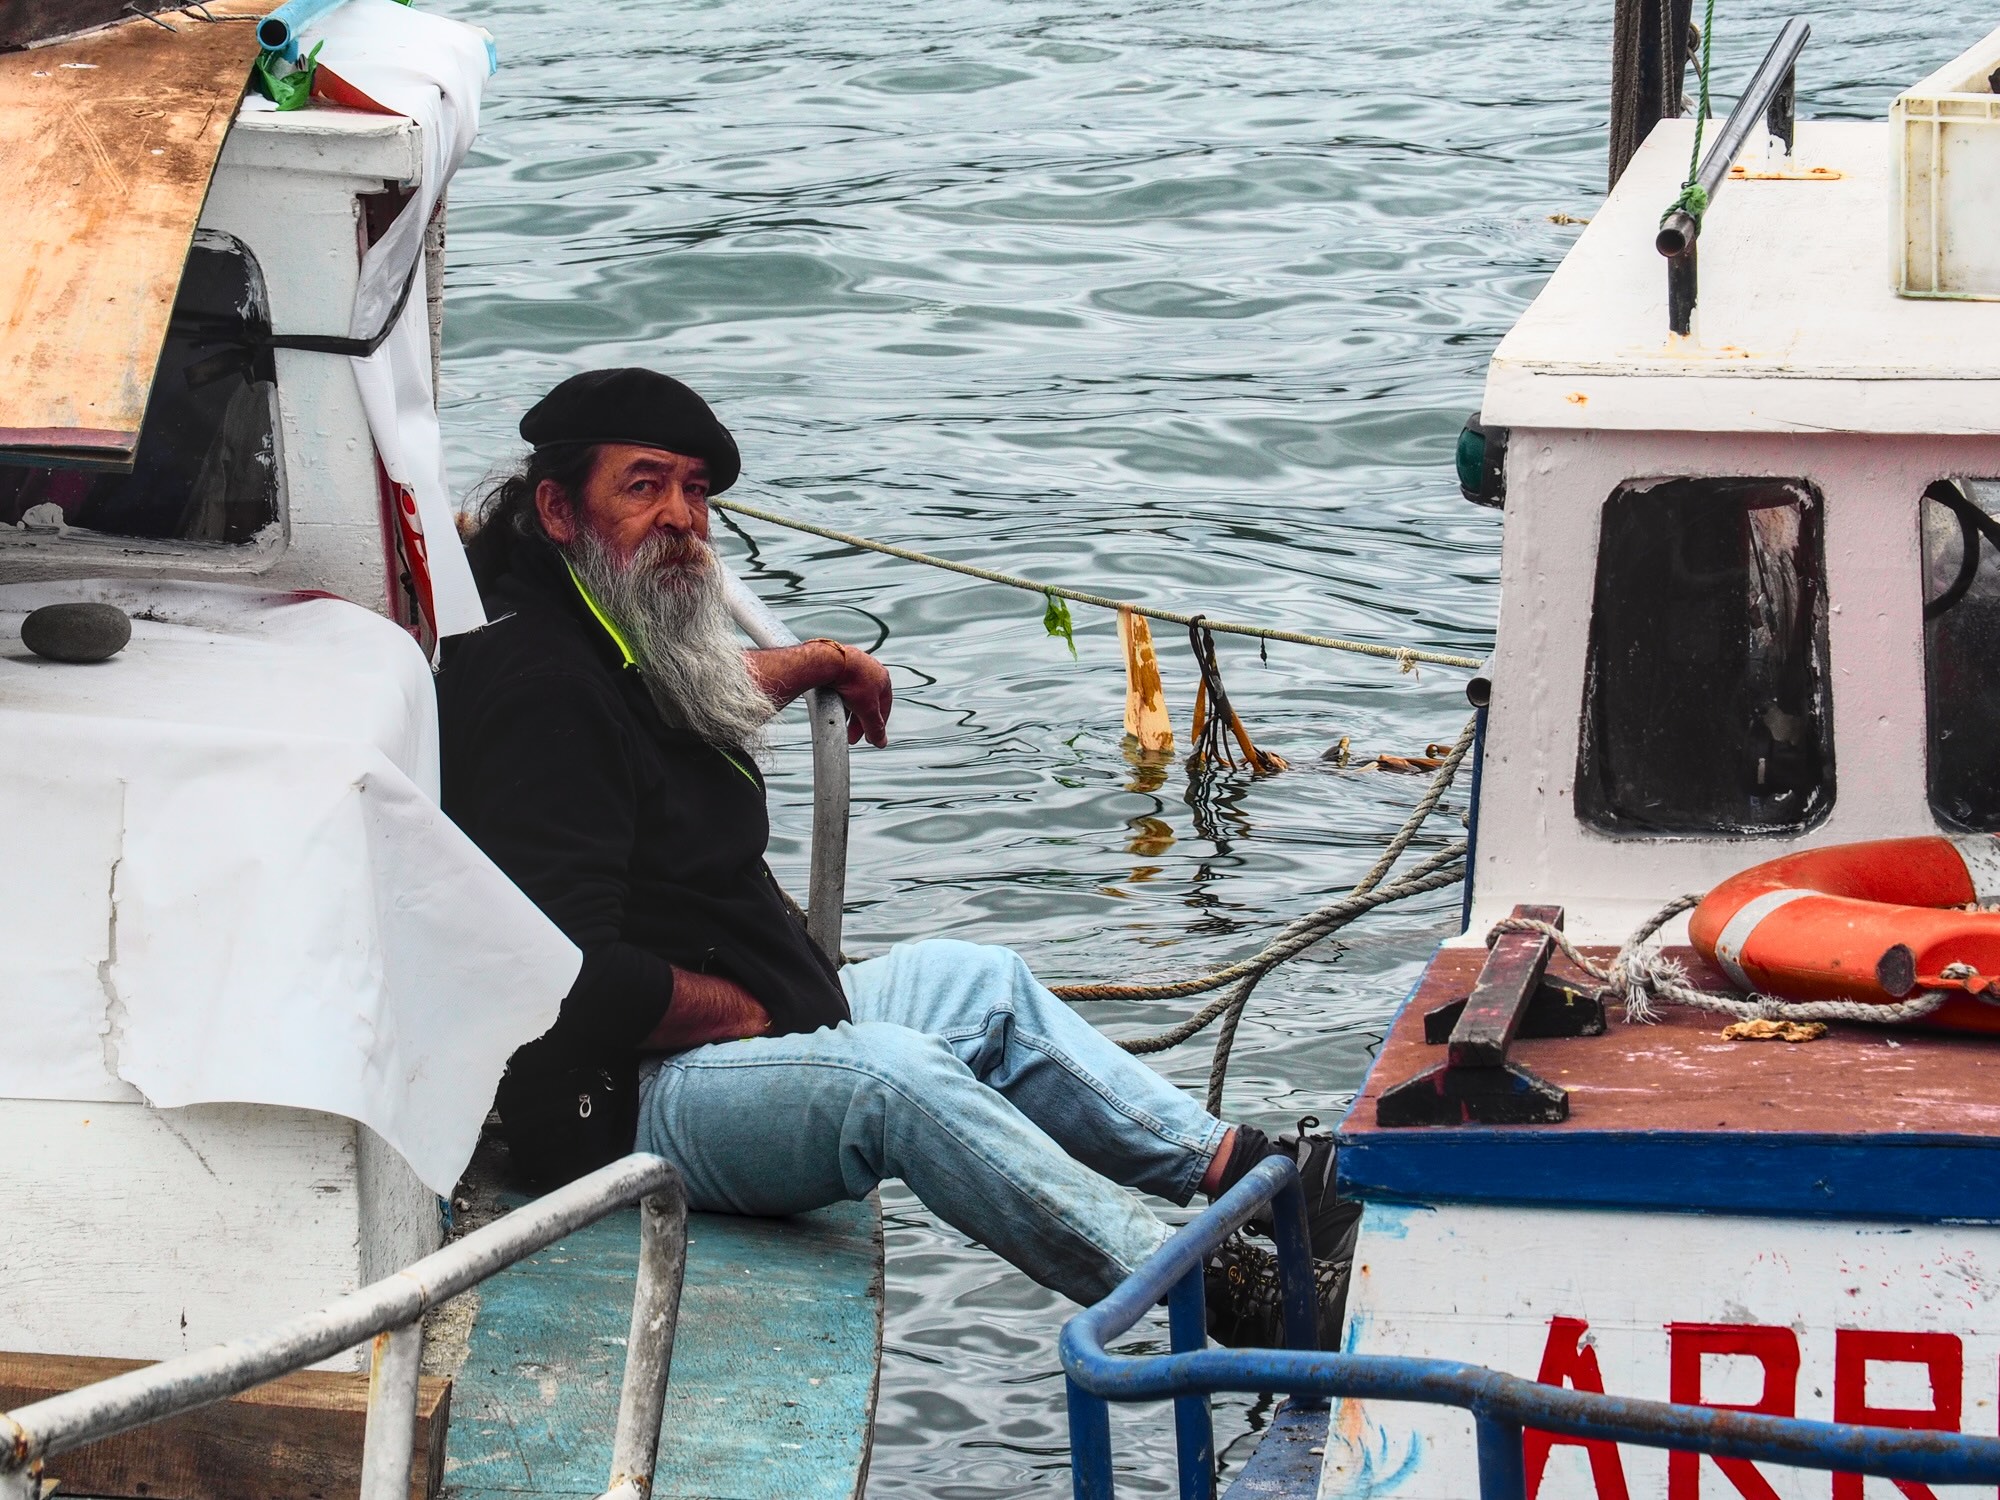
1944, 175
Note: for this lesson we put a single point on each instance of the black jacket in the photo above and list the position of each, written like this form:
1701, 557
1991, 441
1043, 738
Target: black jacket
643, 843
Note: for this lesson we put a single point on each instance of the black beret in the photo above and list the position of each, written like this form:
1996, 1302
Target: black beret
635, 406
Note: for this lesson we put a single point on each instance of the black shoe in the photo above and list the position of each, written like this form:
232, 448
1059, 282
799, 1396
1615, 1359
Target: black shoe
1332, 1222
1240, 1287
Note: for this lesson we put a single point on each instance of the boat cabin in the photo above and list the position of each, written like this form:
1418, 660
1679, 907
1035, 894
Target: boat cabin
1748, 606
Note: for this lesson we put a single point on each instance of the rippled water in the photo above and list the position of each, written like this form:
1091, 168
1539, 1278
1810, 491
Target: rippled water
1182, 302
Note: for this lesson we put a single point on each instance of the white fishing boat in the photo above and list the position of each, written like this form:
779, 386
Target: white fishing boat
1749, 590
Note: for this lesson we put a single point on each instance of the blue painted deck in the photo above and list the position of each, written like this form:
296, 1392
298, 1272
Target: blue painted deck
772, 1393
1872, 1123
1287, 1462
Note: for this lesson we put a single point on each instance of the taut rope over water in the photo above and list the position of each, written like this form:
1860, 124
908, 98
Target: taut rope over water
1405, 657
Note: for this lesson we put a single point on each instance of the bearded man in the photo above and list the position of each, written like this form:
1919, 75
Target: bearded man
601, 742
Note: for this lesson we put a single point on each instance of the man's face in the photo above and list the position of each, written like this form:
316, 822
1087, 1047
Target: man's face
632, 496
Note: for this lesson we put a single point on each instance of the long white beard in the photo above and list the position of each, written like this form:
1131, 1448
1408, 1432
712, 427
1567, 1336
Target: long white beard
668, 600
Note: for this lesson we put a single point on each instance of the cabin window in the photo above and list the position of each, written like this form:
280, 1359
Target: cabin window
1706, 707
1961, 541
206, 471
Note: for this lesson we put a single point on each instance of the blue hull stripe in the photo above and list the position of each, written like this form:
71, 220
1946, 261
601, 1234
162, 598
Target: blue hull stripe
1894, 1178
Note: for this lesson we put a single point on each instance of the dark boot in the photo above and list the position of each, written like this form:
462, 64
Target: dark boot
1240, 1286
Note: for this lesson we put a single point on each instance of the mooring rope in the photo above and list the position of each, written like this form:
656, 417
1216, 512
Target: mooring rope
1405, 657
1641, 977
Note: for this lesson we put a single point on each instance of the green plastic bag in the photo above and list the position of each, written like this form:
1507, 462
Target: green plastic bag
292, 88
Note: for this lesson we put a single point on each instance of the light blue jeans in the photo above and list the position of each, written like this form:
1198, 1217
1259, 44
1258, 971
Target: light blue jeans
1012, 1118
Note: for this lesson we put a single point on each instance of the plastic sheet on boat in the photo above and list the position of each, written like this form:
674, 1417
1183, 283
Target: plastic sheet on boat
433, 71
227, 877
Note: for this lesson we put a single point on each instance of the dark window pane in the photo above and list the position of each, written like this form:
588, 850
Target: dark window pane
207, 464
1962, 651
1706, 706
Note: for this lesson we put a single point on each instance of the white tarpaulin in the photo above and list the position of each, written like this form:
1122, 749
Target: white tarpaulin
228, 878
434, 71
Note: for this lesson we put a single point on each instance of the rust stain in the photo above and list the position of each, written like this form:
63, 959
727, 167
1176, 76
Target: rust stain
1740, 173
1577, 398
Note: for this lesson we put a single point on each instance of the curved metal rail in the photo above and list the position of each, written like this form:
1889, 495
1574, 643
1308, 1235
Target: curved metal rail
391, 1312
826, 892
1501, 1405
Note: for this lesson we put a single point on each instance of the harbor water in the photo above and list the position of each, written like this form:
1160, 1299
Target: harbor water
1178, 302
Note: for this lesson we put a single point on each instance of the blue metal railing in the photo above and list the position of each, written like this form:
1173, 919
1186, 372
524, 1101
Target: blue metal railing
1501, 1405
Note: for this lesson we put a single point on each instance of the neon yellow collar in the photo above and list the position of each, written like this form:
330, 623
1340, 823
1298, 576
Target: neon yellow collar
597, 613
632, 661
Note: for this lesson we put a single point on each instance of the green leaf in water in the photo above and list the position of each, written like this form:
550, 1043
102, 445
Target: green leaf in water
1056, 621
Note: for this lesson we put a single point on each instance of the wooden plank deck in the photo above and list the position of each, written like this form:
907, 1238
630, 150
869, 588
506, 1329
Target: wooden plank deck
1866, 1123
772, 1393
107, 144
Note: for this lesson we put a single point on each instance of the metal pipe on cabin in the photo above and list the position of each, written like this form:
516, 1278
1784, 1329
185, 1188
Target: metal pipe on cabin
826, 888
279, 31
1683, 286
391, 1434
1780, 119
109, 1407
649, 1346
1772, 95
1679, 229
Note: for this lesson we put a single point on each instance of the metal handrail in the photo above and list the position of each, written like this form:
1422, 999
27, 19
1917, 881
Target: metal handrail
1769, 96
1501, 1405
391, 1312
826, 889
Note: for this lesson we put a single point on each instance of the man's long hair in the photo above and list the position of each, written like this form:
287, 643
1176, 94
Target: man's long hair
667, 599
503, 510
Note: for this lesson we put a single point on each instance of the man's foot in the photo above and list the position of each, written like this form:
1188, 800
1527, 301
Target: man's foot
1240, 1285
1332, 1222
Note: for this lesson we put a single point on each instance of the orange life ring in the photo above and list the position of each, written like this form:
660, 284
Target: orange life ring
1870, 922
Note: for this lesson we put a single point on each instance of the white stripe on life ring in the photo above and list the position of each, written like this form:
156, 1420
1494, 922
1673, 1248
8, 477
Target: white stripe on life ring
1981, 853
1729, 947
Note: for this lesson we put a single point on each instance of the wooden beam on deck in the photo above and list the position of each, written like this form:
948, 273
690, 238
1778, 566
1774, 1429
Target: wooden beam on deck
297, 1438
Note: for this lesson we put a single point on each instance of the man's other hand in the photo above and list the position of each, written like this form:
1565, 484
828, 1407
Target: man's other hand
706, 1008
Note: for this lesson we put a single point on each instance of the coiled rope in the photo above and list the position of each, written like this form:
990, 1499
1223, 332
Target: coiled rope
1641, 977
1405, 657
1445, 867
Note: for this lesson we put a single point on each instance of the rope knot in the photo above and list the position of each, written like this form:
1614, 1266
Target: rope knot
1642, 975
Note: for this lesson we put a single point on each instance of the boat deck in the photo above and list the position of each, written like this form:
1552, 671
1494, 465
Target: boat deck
772, 1391
1865, 1123
1798, 327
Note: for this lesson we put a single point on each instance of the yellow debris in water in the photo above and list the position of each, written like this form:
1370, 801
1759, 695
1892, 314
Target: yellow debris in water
1145, 700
